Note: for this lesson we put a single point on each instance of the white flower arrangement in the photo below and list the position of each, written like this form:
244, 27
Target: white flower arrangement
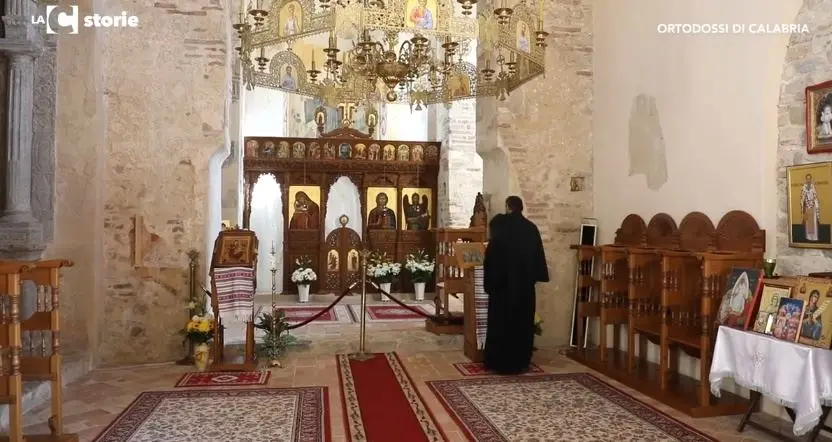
382, 269
304, 276
420, 266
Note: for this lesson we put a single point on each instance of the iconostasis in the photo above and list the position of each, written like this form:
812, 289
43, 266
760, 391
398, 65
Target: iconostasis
343, 192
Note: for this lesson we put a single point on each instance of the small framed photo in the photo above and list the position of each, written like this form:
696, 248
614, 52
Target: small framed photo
819, 118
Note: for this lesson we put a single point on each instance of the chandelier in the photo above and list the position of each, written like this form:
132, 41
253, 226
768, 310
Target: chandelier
417, 52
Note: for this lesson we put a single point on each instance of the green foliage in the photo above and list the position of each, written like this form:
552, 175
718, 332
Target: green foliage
277, 337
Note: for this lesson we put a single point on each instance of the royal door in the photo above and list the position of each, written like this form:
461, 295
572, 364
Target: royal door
341, 260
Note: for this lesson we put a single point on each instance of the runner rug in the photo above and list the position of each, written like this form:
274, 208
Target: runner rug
224, 379
284, 414
478, 369
391, 312
381, 402
300, 313
570, 406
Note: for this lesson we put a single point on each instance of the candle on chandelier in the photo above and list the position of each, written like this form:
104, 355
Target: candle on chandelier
504, 4
262, 52
332, 42
313, 60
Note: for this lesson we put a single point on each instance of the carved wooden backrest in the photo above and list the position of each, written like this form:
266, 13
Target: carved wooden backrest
633, 231
737, 231
662, 232
697, 233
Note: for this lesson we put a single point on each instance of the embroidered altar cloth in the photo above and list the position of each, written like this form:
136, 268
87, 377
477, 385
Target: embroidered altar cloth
235, 293
794, 375
480, 306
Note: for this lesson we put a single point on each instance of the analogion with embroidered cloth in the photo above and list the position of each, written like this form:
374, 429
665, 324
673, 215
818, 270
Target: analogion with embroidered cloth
235, 293
481, 306
793, 375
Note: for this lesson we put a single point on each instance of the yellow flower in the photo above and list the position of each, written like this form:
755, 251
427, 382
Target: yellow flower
537, 319
204, 326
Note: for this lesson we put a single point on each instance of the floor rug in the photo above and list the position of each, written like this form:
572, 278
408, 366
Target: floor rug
478, 369
284, 414
381, 402
570, 406
224, 379
390, 313
300, 313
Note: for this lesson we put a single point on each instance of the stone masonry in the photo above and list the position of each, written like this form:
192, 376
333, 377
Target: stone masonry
808, 61
535, 141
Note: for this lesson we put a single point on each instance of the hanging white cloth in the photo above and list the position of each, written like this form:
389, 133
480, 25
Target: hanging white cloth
793, 375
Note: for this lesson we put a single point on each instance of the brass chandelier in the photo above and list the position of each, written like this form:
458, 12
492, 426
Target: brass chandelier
417, 52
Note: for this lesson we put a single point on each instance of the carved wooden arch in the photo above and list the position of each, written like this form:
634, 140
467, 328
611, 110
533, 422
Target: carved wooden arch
633, 231
738, 231
697, 233
354, 177
346, 132
662, 232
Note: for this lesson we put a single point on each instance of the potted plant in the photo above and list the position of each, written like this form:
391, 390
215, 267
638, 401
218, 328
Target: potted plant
303, 276
200, 331
382, 270
276, 337
421, 268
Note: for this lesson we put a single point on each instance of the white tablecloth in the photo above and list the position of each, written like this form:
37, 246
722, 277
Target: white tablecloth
793, 375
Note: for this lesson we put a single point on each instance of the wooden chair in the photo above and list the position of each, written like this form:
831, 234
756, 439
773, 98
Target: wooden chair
615, 276
645, 287
11, 388
40, 357
223, 257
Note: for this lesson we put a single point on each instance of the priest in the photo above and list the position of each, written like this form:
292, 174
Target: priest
514, 262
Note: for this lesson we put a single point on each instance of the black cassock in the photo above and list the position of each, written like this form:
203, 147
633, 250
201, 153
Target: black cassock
514, 262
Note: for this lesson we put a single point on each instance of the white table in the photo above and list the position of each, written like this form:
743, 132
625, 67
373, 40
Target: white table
797, 377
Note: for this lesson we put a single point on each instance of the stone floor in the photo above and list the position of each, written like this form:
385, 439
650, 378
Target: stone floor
95, 400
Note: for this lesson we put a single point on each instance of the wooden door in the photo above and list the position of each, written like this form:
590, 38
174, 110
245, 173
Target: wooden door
341, 260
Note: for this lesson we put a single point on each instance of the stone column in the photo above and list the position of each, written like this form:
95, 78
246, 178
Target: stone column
21, 78
21, 234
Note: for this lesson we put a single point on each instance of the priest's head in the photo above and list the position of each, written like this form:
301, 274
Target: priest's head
514, 204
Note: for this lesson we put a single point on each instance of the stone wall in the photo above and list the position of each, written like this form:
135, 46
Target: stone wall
535, 141
808, 62
140, 113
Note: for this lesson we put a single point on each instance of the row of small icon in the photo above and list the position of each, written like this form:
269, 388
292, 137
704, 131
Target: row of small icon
73, 20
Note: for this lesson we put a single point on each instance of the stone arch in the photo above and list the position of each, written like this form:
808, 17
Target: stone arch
808, 61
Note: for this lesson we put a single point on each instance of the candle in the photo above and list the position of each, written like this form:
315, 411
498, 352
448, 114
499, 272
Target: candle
313, 60
541, 10
272, 263
272, 247
503, 4
332, 42
242, 9
263, 55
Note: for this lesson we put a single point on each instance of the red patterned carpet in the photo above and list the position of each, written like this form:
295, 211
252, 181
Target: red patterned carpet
284, 414
504, 408
390, 313
478, 369
224, 379
381, 402
299, 313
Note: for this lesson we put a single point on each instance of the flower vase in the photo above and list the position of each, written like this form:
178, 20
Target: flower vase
201, 356
303, 292
419, 289
385, 286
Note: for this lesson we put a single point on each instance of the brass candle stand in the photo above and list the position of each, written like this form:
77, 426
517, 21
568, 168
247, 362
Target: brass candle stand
274, 362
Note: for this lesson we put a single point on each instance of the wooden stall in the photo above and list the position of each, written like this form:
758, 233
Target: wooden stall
664, 285
397, 188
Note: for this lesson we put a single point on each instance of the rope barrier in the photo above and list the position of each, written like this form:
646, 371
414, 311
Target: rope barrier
393, 298
328, 308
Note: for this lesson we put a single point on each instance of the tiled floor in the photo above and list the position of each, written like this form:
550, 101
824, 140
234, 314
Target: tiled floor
94, 401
